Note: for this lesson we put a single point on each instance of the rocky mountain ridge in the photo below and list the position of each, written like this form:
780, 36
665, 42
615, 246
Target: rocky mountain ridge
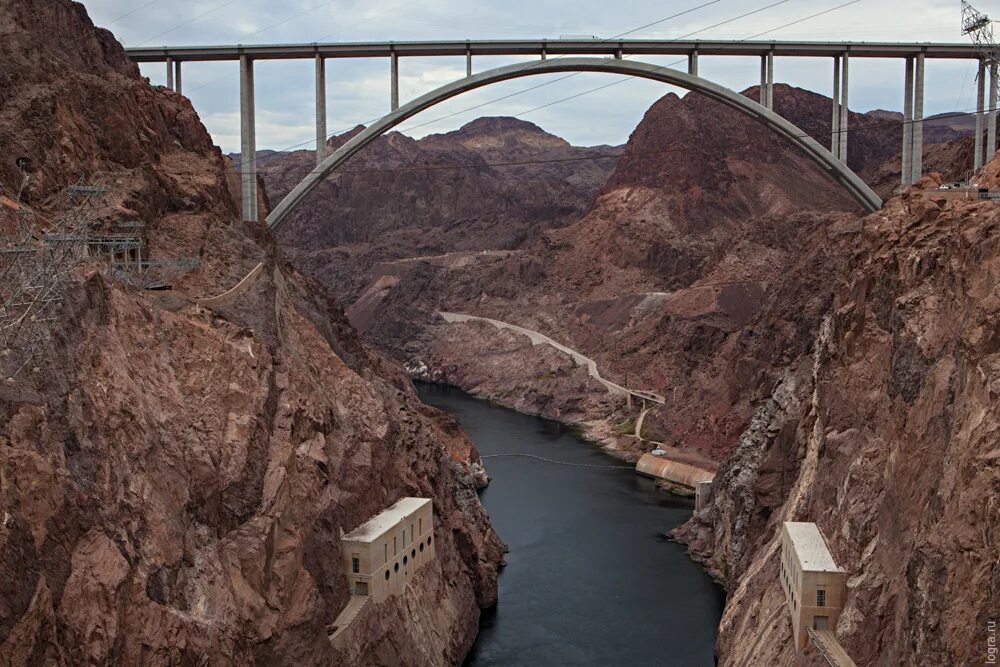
459, 191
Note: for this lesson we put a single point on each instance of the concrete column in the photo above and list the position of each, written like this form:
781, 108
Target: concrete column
991, 119
170, 73
177, 76
395, 81
618, 54
980, 103
320, 108
248, 140
763, 81
844, 109
770, 80
544, 54
917, 169
907, 160
468, 62
693, 63
835, 122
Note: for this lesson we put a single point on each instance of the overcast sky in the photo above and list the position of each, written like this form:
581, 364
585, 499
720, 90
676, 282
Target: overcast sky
358, 89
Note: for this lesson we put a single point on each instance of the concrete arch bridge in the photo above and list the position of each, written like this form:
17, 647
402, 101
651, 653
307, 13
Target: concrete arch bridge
606, 56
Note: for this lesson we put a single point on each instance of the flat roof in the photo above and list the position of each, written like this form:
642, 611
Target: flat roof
381, 523
811, 548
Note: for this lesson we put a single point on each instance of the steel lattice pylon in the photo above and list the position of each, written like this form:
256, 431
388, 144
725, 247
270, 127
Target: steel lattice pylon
979, 27
36, 258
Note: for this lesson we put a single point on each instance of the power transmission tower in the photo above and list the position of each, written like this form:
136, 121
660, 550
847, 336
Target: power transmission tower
979, 27
36, 259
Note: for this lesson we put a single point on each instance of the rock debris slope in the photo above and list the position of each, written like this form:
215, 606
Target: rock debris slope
174, 479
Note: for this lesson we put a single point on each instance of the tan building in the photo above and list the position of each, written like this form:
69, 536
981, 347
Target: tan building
382, 554
814, 585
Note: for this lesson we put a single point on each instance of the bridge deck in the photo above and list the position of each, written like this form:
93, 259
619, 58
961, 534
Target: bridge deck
592, 47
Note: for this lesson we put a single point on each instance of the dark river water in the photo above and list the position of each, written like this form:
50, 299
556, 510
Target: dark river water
590, 579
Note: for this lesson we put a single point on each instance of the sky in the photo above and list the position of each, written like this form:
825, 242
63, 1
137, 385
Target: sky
358, 89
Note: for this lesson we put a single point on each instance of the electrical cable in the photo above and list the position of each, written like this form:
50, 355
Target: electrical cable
189, 22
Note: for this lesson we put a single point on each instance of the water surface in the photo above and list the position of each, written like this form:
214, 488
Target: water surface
590, 579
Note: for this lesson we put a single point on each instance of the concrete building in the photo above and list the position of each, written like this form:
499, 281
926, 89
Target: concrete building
382, 554
814, 585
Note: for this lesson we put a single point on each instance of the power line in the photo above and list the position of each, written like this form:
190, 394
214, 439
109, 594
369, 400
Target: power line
676, 62
658, 21
569, 76
782, 27
189, 22
134, 11
364, 20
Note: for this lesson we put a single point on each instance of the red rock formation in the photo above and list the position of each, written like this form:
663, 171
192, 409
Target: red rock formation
402, 197
885, 436
174, 480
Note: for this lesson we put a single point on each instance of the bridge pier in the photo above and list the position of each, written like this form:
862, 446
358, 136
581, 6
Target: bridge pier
907, 159
991, 119
394, 96
767, 80
248, 141
844, 109
693, 63
917, 168
835, 122
170, 73
468, 61
320, 108
177, 77
977, 162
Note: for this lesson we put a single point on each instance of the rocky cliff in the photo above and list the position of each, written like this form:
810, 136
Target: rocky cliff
174, 479
884, 435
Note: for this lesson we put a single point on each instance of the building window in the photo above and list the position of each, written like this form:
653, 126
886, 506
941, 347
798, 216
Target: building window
355, 565
428, 541
421, 523
406, 559
395, 568
395, 547
820, 598
385, 554
421, 547
413, 553
387, 575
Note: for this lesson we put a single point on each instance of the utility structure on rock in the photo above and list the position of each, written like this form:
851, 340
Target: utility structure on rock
36, 257
979, 27
38, 254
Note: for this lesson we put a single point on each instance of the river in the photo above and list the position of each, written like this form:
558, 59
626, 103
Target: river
590, 578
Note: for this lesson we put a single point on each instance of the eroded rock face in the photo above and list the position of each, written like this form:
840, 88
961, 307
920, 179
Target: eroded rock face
174, 479
888, 443
459, 191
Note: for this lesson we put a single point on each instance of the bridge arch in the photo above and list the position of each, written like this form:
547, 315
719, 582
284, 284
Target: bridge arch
821, 156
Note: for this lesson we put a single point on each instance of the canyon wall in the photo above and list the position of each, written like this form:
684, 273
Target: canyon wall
885, 435
174, 479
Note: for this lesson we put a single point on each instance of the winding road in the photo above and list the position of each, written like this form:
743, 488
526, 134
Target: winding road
537, 338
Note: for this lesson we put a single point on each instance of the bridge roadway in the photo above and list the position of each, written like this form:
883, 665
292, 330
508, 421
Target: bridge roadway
537, 47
